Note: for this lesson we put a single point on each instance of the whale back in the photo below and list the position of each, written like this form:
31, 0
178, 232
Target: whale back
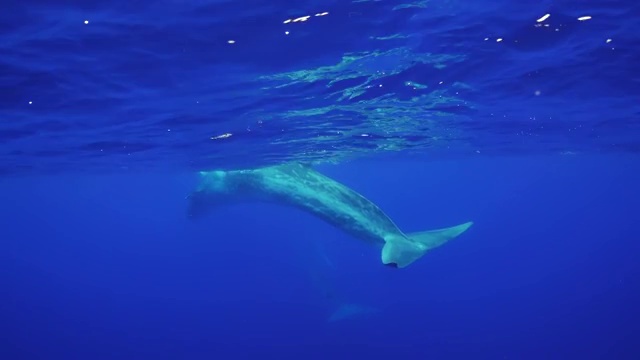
303, 187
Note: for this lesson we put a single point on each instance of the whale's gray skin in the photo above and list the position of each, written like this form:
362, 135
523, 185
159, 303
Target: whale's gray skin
300, 186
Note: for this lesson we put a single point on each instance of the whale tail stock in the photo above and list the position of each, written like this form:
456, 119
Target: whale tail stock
401, 251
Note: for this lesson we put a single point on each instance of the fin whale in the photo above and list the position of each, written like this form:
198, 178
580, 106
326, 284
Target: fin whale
300, 186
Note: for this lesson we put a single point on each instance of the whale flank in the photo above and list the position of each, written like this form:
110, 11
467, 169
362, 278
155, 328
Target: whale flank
306, 189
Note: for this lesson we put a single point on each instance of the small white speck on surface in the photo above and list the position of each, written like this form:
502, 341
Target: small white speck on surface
543, 18
223, 136
30, 102
86, 22
231, 41
286, 33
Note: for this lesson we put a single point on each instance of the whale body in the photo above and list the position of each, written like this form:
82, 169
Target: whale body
300, 186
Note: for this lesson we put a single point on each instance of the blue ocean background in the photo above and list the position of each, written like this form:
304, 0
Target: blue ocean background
521, 117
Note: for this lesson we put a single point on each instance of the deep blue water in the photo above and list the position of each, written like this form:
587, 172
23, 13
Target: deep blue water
440, 112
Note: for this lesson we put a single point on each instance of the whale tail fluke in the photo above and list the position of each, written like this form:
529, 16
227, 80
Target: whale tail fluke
434, 238
401, 251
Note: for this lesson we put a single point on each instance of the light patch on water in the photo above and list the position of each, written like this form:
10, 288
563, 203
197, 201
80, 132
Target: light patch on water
415, 85
372, 65
304, 18
389, 37
417, 4
223, 136
543, 18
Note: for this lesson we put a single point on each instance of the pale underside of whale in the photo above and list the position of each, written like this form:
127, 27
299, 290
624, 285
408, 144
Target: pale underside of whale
302, 187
